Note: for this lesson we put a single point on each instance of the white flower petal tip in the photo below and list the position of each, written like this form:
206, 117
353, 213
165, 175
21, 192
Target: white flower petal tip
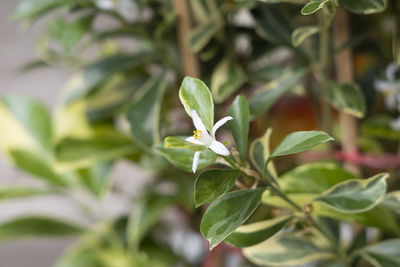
219, 123
196, 158
198, 123
219, 148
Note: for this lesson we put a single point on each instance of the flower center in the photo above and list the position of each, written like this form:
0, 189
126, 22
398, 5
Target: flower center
197, 134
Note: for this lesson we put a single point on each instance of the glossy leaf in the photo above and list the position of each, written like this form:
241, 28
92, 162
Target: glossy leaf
383, 254
226, 79
37, 226
259, 153
263, 100
144, 113
195, 95
301, 34
200, 36
285, 250
363, 6
212, 184
92, 76
183, 158
239, 126
313, 178
356, 195
254, 233
176, 142
227, 213
348, 98
300, 141
313, 6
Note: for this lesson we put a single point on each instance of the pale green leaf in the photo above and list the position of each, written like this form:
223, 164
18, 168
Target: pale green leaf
313, 6
301, 34
176, 142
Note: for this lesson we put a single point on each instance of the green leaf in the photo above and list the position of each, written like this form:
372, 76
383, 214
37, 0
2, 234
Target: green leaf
195, 95
301, 34
81, 257
34, 164
95, 74
392, 201
383, 254
176, 142
259, 153
37, 226
8, 193
263, 99
285, 250
31, 9
300, 141
183, 158
144, 113
96, 178
145, 215
212, 184
252, 234
226, 79
379, 126
313, 178
227, 213
313, 6
356, 195
363, 6
239, 126
348, 98
200, 36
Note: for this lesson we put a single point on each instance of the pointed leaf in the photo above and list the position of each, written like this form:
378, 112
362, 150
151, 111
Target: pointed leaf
363, 6
195, 95
263, 99
285, 250
144, 113
212, 184
259, 153
300, 141
313, 6
383, 254
37, 226
252, 234
301, 34
356, 195
239, 126
227, 213
348, 98
226, 79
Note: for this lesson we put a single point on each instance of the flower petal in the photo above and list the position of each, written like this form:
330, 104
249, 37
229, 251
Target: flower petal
219, 148
198, 123
195, 161
220, 123
383, 86
194, 141
391, 71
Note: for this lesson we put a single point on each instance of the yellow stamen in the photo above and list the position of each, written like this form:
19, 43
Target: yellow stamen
197, 134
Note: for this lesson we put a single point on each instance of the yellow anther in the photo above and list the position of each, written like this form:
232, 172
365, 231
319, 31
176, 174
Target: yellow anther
197, 134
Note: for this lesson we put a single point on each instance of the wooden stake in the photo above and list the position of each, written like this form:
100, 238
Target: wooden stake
345, 74
189, 60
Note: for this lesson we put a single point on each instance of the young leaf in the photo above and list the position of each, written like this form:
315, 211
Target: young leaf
262, 100
176, 142
195, 95
227, 213
227, 78
35, 226
363, 6
285, 250
144, 114
300, 34
356, 195
313, 6
259, 153
300, 141
383, 254
212, 184
239, 126
252, 234
348, 98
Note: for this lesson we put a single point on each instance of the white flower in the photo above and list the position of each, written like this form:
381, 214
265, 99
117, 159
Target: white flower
202, 137
390, 87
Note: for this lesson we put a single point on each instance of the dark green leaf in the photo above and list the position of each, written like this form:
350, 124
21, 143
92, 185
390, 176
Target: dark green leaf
313, 6
212, 184
348, 98
363, 6
383, 254
239, 126
227, 213
202, 34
